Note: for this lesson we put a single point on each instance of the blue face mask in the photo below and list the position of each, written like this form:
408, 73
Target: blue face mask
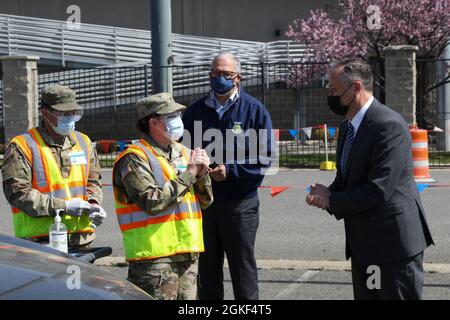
66, 125
221, 86
175, 127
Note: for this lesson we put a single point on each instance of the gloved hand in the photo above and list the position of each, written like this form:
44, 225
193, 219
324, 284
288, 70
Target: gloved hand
76, 207
97, 215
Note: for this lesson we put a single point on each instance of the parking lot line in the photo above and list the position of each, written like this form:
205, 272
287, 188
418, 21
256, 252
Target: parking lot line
289, 292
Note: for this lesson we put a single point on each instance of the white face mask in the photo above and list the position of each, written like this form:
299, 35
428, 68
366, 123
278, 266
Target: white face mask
65, 121
175, 127
66, 125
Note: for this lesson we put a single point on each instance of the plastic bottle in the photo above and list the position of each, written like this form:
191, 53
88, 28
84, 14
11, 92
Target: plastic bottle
58, 235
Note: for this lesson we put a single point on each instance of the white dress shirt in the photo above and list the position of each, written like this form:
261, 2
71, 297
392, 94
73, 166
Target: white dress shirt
357, 119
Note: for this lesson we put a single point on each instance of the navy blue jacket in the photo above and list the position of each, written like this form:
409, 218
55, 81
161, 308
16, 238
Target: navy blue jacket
244, 174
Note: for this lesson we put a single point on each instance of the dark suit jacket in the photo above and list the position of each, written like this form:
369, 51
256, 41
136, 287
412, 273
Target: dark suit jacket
377, 196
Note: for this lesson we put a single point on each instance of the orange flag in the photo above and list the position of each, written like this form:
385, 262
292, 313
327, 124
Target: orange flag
274, 191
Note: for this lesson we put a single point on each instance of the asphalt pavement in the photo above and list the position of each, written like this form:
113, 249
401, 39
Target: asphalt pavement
299, 249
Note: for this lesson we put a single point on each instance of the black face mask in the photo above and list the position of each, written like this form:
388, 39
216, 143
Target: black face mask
334, 102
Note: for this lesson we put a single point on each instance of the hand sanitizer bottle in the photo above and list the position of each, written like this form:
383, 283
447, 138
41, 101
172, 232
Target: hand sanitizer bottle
58, 235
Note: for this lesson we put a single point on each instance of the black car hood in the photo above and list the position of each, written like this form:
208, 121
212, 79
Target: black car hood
33, 271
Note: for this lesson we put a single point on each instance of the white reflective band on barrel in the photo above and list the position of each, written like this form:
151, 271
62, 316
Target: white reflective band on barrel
421, 163
38, 166
420, 145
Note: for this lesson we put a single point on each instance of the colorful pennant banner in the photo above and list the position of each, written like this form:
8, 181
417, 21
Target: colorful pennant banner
293, 133
276, 190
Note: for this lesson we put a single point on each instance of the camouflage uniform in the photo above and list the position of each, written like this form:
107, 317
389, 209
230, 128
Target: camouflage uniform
17, 187
166, 281
173, 277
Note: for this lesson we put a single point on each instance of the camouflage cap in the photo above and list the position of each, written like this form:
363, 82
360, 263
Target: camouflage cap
60, 98
160, 104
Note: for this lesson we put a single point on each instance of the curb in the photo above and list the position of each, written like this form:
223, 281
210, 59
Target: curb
290, 265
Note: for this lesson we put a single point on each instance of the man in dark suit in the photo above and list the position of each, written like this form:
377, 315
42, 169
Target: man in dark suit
374, 190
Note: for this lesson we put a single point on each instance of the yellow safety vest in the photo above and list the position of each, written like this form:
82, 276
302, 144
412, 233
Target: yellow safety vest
47, 179
175, 230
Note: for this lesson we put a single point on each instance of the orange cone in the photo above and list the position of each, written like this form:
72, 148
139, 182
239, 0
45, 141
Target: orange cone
420, 155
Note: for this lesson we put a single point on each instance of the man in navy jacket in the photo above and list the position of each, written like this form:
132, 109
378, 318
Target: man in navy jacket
236, 130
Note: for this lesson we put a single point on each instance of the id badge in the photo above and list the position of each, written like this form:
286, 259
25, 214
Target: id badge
181, 168
77, 157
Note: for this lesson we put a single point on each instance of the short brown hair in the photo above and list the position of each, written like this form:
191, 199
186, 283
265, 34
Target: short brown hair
142, 124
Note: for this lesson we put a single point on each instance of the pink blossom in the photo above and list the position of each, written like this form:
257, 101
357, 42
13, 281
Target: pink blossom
424, 23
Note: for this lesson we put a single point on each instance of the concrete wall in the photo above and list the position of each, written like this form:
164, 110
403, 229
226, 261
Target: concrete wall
400, 83
256, 20
20, 95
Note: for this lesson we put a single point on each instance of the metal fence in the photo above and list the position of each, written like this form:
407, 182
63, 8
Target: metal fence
432, 108
108, 95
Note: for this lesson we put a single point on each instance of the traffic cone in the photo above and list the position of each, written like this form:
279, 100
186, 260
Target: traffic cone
420, 155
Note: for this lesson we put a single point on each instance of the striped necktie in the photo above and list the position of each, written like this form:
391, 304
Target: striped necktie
350, 137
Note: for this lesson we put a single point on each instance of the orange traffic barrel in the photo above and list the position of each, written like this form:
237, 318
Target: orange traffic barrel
420, 155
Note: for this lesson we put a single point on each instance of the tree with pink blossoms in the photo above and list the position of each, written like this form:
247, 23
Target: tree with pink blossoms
362, 28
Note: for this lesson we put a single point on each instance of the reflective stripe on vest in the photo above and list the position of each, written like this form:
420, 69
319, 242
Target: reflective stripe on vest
177, 229
47, 179
160, 179
86, 150
128, 219
154, 163
38, 165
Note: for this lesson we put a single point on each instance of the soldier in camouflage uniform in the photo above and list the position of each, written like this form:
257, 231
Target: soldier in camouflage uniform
174, 276
57, 102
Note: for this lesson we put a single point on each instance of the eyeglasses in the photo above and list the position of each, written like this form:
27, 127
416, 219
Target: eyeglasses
226, 74
77, 114
171, 116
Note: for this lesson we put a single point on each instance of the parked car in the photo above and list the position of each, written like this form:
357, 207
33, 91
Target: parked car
30, 270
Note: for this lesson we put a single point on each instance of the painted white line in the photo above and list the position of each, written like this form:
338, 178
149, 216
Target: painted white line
289, 292
305, 265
